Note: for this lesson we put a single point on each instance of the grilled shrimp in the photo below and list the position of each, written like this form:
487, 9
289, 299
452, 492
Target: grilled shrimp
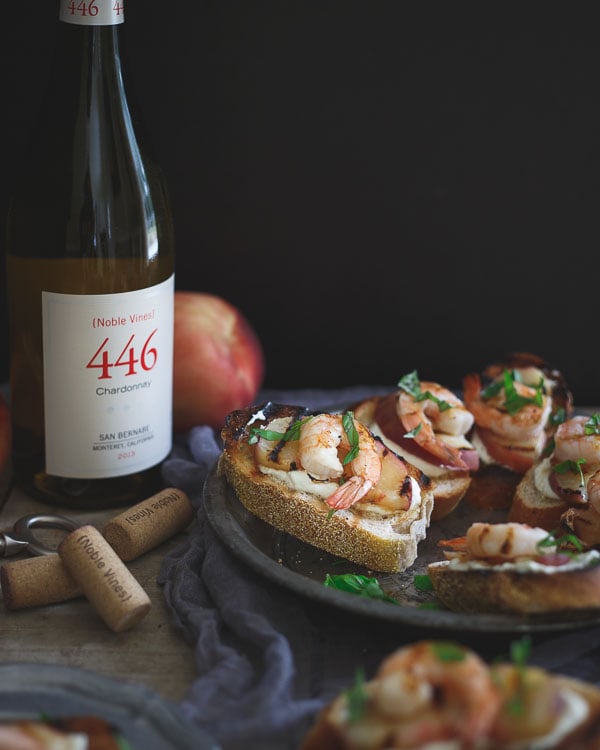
426, 418
498, 542
440, 690
577, 439
323, 450
520, 426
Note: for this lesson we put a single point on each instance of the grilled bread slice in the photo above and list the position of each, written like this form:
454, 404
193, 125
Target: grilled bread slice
516, 568
381, 531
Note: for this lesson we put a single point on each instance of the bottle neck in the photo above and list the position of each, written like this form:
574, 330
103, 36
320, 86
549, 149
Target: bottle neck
87, 52
85, 56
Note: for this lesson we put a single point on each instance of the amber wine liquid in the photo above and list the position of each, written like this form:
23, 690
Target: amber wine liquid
90, 269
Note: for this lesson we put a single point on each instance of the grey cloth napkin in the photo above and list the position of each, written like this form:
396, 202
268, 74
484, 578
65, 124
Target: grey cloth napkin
268, 660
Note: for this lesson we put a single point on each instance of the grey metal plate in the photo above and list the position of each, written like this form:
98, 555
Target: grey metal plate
301, 568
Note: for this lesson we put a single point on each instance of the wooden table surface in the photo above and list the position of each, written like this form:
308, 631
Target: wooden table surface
152, 653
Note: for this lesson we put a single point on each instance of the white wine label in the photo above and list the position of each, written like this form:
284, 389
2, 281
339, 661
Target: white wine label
108, 381
92, 12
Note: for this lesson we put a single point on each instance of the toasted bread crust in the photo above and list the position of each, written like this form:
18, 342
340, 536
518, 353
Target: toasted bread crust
498, 591
532, 507
386, 543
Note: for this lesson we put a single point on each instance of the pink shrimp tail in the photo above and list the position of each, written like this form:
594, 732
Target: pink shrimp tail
349, 493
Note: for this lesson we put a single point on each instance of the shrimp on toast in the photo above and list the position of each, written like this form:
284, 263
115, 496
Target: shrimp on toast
516, 405
515, 568
441, 694
428, 425
326, 479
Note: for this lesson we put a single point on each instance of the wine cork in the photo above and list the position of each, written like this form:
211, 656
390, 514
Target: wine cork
147, 524
104, 578
36, 581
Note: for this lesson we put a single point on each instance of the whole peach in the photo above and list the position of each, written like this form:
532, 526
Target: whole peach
218, 360
5, 433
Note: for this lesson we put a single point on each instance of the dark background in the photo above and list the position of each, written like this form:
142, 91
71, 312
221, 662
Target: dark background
377, 189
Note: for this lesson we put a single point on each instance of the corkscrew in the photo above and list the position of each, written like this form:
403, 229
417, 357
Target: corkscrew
23, 539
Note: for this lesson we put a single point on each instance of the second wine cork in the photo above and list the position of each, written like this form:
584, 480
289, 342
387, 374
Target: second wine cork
104, 579
147, 524
35, 581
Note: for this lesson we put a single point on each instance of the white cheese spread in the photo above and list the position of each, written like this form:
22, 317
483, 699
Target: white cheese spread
575, 710
578, 562
299, 481
541, 478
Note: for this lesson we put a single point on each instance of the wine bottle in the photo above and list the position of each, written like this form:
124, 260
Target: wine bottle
90, 270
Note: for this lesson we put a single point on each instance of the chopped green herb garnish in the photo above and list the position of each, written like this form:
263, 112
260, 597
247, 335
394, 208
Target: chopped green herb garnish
572, 466
412, 385
357, 697
414, 432
292, 433
520, 651
592, 426
448, 651
549, 448
352, 434
548, 541
491, 390
422, 582
519, 654
563, 544
357, 584
513, 402
557, 417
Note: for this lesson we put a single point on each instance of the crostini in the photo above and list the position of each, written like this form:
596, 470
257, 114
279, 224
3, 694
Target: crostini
440, 694
326, 479
562, 489
427, 425
516, 405
515, 568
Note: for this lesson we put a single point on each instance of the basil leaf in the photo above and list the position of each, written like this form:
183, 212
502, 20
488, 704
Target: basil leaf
520, 651
428, 396
414, 432
491, 390
548, 541
513, 402
410, 383
562, 543
422, 582
573, 466
558, 417
446, 651
592, 426
357, 698
352, 434
292, 432
358, 584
